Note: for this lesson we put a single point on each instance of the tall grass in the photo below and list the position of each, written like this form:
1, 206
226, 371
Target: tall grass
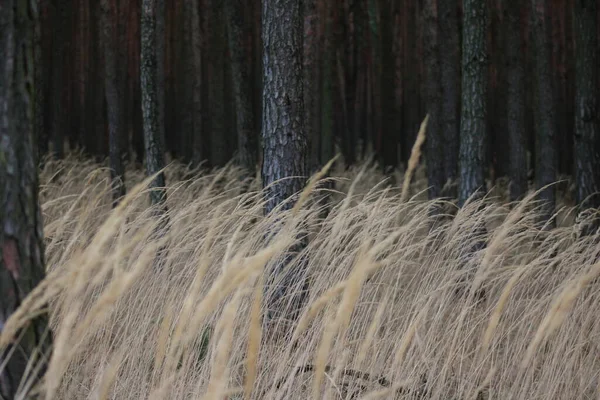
399, 307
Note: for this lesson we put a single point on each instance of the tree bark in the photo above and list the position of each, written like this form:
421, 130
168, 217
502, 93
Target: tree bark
389, 117
218, 43
544, 110
587, 134
515, 101
21, 236
61, 38
284, 167
161, 12
198, 105
449, 45
284, 137
310, 81
474, 96
238, 32
114, 96
149, 81
433, 94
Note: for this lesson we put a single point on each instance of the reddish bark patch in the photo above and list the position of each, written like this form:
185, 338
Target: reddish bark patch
10, 255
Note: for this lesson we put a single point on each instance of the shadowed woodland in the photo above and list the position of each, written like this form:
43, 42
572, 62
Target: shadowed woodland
341, 199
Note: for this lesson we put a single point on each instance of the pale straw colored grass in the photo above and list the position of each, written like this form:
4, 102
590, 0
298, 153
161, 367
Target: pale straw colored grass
392, 313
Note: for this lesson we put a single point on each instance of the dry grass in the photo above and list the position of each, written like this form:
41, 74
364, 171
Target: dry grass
395, 308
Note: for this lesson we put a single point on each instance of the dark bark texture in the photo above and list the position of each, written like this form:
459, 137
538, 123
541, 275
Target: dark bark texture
216, 81
587, 134
21, 236
284, 167
473, 125
310, 80
515, 101
198, 109
114, 96
433, 95
544, 110
449, 45
148, 72
238, 32
283, 133
59, 88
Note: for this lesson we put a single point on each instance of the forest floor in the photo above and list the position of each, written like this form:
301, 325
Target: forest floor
400, 306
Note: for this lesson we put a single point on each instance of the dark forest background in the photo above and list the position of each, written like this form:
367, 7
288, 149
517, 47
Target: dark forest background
372, 70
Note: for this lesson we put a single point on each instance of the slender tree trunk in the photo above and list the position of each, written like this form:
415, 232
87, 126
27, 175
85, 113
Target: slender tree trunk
310, 82
61, 38
21, 235
474, 95
411, 82
238, 32
587, 133
198, 106
544, 111
40, 135
449, 45
161, 12
389, 117
433, 94
515, 100
114, 96
149, 80
218, 138
284, 167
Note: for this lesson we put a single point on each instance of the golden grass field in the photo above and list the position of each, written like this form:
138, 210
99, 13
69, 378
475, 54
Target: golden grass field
394, 308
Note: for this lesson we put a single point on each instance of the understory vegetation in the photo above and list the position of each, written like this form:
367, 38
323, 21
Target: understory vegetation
403, 303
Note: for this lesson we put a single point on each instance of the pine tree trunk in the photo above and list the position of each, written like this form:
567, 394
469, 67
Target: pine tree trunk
473, 125
61, 37
21, 235
515, 100
149, 82
40, 135
218, 138
310, 82
284, 167
198, 110
238, 32
114, 96
435, 140
544, 111
449, 45
161, 12
587, 134
284, 137
389, 118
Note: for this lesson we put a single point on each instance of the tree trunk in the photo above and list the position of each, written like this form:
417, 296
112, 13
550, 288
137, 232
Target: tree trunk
310, 81
433, 94
389, 118
544, 111
198, 110
21, 235
449, 45
218, 138
61, 38
160, 37
284, 167
473, 125
587, 134
40, 134
238, 32
114, 96
515, 100
411, 82
149, 82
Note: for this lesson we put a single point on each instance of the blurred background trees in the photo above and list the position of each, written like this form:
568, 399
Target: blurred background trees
371, 71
